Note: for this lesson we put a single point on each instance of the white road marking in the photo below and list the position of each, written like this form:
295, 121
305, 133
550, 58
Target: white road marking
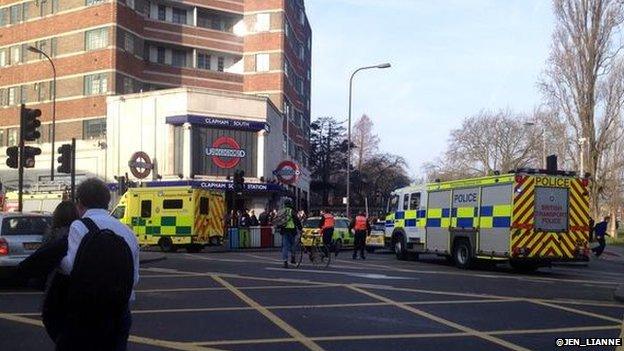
350, 274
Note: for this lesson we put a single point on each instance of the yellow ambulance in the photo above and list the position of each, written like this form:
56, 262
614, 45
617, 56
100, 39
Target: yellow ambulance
173, 217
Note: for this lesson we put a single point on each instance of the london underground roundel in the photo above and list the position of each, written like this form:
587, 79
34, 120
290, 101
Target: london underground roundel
287, 172
225, 152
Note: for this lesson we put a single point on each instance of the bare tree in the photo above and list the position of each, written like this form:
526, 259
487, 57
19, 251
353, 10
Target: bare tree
487, 142
366, 142
583, 54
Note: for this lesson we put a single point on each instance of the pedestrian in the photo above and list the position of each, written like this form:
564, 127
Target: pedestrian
44, 263
264, 217
326, 225
253, 220
102, 263
288, 225
362, 228
245, 220
62, 217
600, 230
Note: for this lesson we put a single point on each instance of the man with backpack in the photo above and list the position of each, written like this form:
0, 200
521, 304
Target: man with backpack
288, 224
102, 263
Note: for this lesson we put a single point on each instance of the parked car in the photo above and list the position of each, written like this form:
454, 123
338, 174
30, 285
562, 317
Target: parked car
20, 236
343, 237
376, 238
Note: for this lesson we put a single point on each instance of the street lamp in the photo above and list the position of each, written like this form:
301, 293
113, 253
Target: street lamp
380, 66
532, 124
39, 51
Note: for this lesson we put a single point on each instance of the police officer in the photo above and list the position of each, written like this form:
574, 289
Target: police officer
362, 229
600, 230
327, 229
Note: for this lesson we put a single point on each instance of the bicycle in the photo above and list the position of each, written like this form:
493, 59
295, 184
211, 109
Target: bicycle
313, 248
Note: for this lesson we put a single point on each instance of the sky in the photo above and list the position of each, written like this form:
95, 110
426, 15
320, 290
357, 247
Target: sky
450, 59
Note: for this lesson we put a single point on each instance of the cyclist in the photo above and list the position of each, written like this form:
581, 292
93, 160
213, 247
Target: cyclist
288, 229
327, 230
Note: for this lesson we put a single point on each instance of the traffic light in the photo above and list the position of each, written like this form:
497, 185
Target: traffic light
13, 153
65, 158
29, 123
29, 156
239, 181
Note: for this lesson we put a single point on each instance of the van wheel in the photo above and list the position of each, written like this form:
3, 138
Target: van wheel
399, 248
166, 245
462, 254
194, 248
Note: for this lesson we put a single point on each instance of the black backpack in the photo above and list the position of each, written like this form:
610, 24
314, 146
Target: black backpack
103, 273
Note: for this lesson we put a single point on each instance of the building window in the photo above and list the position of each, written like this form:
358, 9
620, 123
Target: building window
262, 62
53, 45
55, 6
3, 58
96, 39
12, 136
263, 22
286, 68
128, 85
203, 61
23, 94
179, 15
4, 14
95, 84
220, 64
40, 89
16, 14
94, 128
301, 17
129, 43
11, 96
178, 58
16, 54
162, 13
160, 57
130, 4
93, 2
2, 140
286, 28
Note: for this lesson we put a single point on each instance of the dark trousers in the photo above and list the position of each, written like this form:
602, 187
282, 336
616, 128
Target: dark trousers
360, 243
601, 246
328, 235
103, 333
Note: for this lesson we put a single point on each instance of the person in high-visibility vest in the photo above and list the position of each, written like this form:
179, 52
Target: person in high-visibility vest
327, 230
288, 230
362, 228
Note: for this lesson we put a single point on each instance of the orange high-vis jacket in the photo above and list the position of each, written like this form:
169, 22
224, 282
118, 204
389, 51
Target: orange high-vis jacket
328, 221
360, 223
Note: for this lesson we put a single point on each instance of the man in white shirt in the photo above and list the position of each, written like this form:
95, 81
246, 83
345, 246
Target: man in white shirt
92, 199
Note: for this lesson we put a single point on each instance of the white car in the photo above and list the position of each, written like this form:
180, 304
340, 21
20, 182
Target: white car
20, 235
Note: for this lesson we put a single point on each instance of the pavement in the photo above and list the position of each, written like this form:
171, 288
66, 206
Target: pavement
247, 301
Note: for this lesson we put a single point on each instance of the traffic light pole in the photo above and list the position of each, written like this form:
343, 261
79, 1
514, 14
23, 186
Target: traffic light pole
20, 172
73, 170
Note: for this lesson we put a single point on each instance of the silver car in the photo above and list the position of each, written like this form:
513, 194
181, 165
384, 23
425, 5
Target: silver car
20, 236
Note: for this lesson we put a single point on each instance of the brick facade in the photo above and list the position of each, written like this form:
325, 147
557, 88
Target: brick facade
201, 43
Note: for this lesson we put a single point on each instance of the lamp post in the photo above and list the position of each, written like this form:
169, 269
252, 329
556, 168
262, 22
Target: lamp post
380, 66
532, 124
39, 51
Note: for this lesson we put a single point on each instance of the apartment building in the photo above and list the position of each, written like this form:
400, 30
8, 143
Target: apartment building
102, 48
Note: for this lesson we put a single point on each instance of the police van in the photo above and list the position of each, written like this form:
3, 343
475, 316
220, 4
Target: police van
529, 218
173, 217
